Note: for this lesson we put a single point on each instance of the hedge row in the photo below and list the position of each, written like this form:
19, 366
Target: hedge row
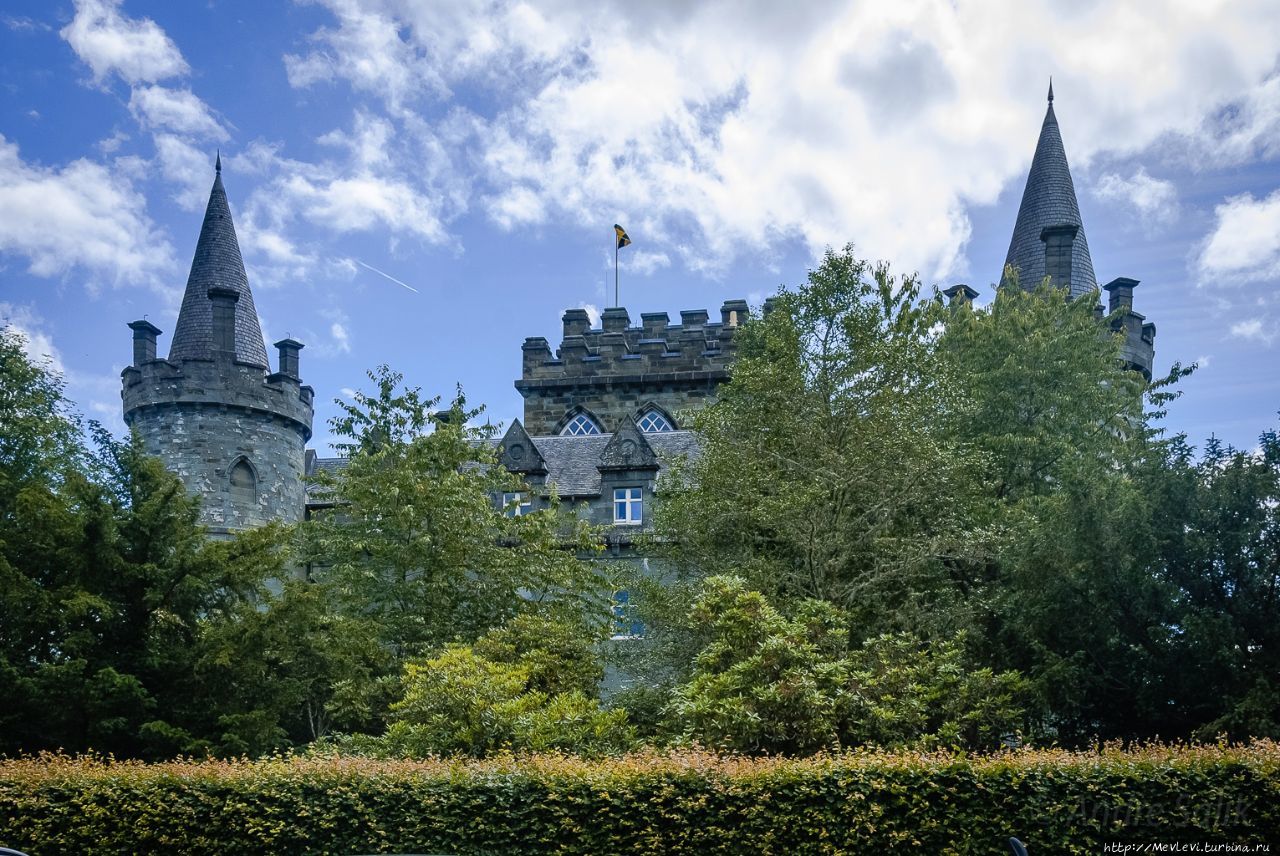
688, 803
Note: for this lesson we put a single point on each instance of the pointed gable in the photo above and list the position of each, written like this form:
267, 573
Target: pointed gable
1048, 201
628, 450
217, 263
517, 452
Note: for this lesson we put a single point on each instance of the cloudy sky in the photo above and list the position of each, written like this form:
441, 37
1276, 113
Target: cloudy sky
427, 183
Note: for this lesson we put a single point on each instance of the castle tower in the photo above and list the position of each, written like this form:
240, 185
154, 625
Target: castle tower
1049, 241
601, 380
1049, 203
213, 411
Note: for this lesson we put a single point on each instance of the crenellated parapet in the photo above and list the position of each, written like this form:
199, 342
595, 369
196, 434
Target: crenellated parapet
222, 383
611, 372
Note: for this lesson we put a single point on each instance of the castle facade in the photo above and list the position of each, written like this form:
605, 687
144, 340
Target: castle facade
603, 412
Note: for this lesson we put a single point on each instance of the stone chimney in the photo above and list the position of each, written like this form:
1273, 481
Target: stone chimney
289, 349
144, 341
959, 295
1120, 292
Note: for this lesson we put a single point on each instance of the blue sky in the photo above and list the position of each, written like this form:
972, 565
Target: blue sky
479, 153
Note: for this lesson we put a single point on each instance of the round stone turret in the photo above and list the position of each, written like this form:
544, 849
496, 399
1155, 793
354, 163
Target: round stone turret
233, 432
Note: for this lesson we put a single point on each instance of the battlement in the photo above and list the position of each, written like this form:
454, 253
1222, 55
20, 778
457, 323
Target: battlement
220, 382
656, 347
612, 370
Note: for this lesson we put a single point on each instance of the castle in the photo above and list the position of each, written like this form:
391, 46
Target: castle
602, 412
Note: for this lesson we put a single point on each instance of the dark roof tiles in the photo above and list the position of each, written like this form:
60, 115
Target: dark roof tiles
1049, 200
217, 262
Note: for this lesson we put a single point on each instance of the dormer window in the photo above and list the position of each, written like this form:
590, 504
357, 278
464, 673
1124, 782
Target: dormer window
579, 426
653, 422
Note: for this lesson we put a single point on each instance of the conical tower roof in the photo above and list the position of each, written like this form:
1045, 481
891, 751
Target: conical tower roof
217, 262
1049, 200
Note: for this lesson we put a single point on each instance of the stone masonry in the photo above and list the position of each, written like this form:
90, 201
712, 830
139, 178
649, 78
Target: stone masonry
233, 432
612, 373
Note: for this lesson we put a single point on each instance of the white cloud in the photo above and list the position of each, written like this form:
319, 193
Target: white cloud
642, 262
82, 216
593, 313
137, 50
1254, 329
1245, 243
760, 122
36, 342
341, 340
1204, 361
161, 108
1154, 200
187, 168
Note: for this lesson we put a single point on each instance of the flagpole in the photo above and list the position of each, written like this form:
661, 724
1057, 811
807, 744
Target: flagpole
615, 270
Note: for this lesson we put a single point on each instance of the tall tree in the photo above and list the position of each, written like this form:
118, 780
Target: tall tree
822, 472
417, 539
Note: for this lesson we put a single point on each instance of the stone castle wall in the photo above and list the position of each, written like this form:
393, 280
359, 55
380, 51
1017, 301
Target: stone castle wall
613, 371
203, 416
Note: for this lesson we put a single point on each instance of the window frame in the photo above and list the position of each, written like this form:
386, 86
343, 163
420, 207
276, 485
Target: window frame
523, 503
656, 415
590, 426
630, 500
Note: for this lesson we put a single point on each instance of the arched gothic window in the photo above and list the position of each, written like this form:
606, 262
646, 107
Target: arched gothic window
579, 425
244, 484
653, 422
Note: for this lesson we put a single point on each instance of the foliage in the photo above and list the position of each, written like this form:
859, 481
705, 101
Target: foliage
39, 434
1218, 552
822, 473
769, 683
107, 590
1056, 565
682, 803
501, 695
416, 542
295, 665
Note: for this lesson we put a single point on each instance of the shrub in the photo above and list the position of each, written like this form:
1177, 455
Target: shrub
685, 803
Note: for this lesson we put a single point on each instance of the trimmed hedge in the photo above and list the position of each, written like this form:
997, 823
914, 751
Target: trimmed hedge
682, 803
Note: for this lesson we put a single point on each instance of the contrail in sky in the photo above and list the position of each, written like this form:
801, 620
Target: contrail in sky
387, 275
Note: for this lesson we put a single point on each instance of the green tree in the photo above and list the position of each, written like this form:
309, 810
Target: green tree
524, 687
767, 682
416, 541
1063, 442
289, 668
116, 581
1218, 551
823, 472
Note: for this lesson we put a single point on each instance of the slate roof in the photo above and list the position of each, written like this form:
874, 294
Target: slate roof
217, 262
1049, 200
571, 461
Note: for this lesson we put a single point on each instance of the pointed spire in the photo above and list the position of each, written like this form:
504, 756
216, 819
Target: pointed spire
1049, 201
1051, 89
217, 264
217, 163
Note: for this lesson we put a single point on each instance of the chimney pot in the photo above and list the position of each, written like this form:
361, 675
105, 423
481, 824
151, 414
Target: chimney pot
144, 341
289, 349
